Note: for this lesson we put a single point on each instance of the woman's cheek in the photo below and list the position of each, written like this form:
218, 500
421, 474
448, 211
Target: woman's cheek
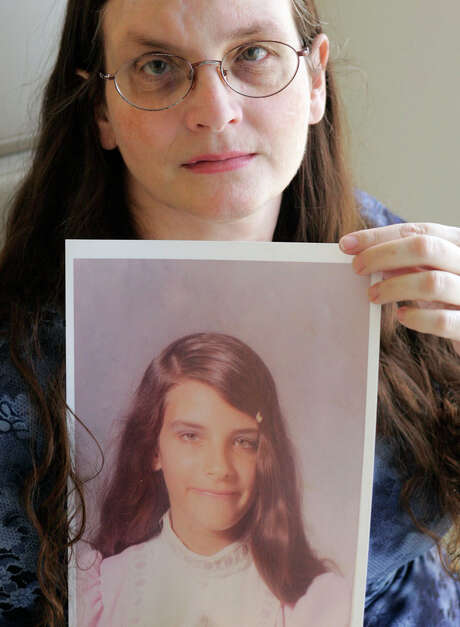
139, 132
289, 135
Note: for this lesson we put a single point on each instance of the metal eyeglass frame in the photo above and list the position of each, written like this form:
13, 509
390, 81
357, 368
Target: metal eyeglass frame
193, 66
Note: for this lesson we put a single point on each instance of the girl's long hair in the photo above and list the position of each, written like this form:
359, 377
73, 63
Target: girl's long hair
137, 497
75, 189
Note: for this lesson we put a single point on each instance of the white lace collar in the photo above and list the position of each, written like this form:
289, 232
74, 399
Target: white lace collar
231, 559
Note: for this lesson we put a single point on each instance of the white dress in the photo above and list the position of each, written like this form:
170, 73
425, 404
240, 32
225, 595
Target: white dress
161, 583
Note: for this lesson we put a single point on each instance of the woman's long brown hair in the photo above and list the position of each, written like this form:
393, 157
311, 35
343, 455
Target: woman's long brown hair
75, 189
137, 498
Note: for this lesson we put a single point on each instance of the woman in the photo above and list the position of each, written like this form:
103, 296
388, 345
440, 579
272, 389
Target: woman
204, 507
106, 168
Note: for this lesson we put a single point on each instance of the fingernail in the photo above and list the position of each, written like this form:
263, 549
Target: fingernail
349, 242
374, 293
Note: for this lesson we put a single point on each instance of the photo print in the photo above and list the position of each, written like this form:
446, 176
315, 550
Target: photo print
223, 401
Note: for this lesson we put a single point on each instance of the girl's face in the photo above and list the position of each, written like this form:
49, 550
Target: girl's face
207, 451
158, 146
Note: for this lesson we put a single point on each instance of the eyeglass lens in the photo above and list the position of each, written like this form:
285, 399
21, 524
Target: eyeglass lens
158, 81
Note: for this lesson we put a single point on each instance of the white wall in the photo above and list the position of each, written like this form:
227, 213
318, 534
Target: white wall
29, 33
403, 101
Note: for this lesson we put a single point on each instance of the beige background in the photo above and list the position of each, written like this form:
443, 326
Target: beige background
403, 100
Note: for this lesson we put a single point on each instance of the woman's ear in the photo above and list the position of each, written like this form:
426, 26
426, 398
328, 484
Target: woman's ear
83, 74
106, 134
319, 57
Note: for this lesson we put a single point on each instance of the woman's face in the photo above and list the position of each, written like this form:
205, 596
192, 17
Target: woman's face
207, 451
158, 146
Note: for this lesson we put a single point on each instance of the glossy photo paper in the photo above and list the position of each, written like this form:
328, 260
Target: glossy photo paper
222, 407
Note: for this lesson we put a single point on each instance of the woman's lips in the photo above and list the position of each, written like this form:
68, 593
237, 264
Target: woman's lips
213, 163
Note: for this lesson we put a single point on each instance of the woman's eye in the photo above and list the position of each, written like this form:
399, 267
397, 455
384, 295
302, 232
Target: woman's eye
156, 67
254, 53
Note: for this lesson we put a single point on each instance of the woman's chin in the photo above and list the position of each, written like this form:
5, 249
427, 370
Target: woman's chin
225, 209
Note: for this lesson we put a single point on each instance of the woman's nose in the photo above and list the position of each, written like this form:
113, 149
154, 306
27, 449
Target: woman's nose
211, 104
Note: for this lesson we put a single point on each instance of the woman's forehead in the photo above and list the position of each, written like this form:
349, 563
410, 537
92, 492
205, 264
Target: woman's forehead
193, 23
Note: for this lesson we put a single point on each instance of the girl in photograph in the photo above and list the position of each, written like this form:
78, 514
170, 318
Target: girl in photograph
202, 522
218, 120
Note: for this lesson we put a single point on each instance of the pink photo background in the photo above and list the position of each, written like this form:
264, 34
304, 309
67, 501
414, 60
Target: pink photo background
308, 322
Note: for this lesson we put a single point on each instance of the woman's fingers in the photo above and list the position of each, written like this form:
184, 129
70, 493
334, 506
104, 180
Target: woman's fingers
420, 263
441, 322
356, 242
431, 286
418, 250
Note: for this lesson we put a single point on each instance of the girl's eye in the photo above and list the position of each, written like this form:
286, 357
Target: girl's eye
246, 443
254, 53
189, 437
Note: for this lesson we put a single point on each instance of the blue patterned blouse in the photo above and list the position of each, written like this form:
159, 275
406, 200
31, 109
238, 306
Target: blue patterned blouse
406, 584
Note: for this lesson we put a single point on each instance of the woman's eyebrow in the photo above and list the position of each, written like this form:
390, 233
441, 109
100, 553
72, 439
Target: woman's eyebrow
257, 28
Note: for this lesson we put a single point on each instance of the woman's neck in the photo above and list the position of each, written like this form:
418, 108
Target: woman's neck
174, 224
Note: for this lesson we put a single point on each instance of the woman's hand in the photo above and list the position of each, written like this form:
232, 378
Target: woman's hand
421, 264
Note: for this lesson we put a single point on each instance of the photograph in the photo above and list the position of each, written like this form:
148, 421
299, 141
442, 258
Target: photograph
264, 122
223, 450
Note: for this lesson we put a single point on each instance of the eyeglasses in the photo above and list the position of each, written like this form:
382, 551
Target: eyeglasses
157, 80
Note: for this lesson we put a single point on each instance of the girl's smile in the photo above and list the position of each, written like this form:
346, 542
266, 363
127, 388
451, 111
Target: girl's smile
224, 494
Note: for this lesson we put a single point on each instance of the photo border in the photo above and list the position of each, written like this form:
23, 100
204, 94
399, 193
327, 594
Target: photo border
232, 251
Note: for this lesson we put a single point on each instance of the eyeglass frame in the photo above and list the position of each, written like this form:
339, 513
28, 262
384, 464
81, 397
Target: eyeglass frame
303, 52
